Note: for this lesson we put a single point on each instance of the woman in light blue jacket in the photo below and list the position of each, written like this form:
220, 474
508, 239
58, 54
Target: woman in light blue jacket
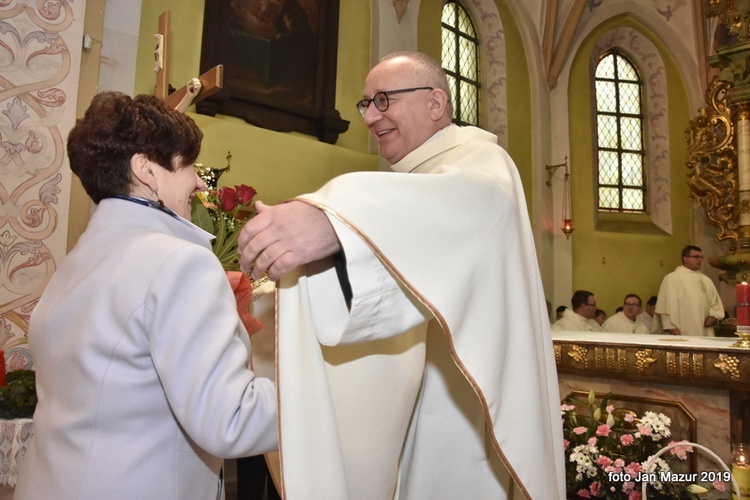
141, 357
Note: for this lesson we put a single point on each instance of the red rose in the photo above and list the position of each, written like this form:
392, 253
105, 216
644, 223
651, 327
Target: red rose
227, 198
245, 193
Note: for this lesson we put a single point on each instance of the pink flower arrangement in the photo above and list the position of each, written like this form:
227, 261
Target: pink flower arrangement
606, 450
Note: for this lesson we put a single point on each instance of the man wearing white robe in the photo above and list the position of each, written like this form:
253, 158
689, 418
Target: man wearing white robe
688, 302
422, 365
649, 317
626, 321
581, 317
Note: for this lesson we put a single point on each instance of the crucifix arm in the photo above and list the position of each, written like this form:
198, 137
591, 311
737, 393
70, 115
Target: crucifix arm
198, 88
191, 91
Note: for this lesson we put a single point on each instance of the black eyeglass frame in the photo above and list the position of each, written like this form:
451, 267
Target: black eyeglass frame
365, 103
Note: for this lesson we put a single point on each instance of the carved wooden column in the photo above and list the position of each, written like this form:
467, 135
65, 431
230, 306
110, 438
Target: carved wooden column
719, 152
742, 117
719, 160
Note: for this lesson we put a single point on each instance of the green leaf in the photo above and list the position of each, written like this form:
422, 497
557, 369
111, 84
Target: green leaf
18, 396
202, 216
225, 226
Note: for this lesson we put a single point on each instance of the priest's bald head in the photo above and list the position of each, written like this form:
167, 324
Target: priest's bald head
406, 101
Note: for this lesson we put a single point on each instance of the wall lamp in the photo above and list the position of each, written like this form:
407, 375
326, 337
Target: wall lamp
567, 226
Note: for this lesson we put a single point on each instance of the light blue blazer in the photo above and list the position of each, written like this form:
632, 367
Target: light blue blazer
141, 364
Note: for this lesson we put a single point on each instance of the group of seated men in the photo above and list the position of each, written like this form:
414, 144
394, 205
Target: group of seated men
687, 304
629, 318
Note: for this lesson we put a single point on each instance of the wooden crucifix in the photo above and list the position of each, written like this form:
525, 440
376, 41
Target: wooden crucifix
196, 89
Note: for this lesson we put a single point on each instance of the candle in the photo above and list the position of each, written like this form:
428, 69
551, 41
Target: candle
743, 304
741, 474
740, 470
2, 364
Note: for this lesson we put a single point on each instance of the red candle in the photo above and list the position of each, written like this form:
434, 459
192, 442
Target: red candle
743, 304
2, 372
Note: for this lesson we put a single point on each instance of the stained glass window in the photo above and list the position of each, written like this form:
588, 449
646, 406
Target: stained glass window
619, 126
460, 59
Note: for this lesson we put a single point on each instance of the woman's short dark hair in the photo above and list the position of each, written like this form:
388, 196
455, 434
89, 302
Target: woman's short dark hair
115, 127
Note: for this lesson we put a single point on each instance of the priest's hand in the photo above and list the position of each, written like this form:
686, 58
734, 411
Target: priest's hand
710, 322
282, 237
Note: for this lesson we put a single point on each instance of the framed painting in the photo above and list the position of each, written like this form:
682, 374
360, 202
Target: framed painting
279, 59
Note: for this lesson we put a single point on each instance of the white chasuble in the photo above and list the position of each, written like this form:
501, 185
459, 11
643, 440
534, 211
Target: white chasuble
439, 381
686, 299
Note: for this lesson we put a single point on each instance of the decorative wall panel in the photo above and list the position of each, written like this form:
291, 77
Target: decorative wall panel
40, 49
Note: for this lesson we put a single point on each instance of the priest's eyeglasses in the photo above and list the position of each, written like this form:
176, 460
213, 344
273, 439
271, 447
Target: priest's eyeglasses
381, 99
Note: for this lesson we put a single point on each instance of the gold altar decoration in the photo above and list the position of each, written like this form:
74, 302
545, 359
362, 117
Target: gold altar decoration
723, 367
744, 340
712, 162
734, 19
728, 365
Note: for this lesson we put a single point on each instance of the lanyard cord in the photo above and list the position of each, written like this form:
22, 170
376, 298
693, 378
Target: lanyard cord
158, 205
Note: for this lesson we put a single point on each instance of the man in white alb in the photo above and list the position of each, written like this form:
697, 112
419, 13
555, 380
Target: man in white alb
581, 317
413, 339
626, 321
649, 317
688, 302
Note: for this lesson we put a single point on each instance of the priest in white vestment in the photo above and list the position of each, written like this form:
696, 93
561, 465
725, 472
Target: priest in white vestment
649, 317
626, 321
417, 362
581, 317
688, 302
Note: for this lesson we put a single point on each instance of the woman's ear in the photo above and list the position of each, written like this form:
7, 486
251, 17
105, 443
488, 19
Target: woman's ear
143, 171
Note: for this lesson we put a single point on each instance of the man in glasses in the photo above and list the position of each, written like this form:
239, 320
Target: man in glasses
413, 340
581, 317
688, 302
626, 321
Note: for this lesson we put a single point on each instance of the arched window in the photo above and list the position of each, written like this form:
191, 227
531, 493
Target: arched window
619, 130
460, 59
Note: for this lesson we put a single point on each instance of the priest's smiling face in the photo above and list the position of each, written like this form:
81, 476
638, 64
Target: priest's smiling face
411, 117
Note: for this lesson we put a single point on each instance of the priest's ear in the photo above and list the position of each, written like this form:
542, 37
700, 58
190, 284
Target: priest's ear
143, 171
438, 104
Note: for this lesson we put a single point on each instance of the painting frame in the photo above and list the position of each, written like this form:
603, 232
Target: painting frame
279, 64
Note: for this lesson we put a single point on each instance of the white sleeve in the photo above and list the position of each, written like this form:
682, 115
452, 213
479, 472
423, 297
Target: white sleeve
380, 306
200, 351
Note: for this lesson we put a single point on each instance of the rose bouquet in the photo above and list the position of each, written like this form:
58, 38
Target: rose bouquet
607, 450
222, 212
